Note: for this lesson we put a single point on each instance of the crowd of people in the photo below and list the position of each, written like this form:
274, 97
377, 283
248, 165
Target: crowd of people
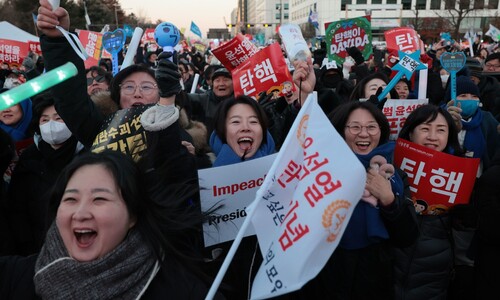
99, 198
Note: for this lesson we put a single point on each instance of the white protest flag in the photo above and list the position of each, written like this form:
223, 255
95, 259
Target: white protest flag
493, 32
306, 201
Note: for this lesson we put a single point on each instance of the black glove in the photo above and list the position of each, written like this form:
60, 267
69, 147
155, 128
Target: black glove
167, 75
374, 99
356, 54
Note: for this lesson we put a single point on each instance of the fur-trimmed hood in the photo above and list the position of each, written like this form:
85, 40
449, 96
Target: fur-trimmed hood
104, 103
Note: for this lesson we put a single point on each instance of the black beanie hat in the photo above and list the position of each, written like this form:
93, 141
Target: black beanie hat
464, 86
474, 66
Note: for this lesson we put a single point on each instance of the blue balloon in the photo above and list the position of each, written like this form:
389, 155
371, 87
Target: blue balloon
167, 34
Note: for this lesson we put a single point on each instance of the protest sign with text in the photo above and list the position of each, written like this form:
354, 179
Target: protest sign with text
438, 180
264, 70
397, 110
305, 203
13, 52
343, 34
235, 52
233, 189
92, 42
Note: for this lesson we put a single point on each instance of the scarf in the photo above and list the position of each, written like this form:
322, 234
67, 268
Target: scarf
226, 156
18, 131
366, 226
124, 273
474, 139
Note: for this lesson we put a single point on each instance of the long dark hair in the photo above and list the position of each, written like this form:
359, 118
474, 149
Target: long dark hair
428, 113
341, 114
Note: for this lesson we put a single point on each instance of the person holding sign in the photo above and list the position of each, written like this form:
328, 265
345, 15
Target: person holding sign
424, 268
360, 267
240, 134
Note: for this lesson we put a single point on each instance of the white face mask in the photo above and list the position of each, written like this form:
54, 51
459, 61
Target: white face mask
11, 83
55, 133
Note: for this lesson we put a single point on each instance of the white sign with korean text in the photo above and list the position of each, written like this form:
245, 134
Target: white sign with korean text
307, 199
396, 112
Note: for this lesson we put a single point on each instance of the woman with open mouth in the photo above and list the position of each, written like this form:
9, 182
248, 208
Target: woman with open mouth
109, 238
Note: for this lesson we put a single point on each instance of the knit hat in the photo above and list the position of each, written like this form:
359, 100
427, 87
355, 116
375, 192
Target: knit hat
474, 66
221, 72
28, 63
464, 86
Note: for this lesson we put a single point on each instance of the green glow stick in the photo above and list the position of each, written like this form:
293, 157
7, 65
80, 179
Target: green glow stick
37, 85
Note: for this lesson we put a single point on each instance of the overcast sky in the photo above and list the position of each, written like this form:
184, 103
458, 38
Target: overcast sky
205, 13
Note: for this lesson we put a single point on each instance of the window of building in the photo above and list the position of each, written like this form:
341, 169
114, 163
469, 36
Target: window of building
493, 4
449, 4
392, 1
361, 2
478, 4
420, 4
285, 6
435, 4
376, 1
285, 16
278, 16
406, 4
343, 3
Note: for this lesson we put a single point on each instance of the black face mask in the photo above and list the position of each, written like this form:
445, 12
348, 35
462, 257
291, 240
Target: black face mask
331, 81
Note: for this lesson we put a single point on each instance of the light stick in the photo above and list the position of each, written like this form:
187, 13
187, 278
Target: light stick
37, 85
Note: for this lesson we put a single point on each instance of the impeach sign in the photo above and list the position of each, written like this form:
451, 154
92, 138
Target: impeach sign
397, 110
235, 190
438, 180
347, 33
264, 70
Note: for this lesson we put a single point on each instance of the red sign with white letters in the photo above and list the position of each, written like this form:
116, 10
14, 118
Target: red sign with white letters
13, 52
401, 39
92, 42
235, 52
267, 68
438, 180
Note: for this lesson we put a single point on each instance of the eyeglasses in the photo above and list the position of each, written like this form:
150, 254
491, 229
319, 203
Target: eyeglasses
490, 66
145, 88
98, 78
356, 129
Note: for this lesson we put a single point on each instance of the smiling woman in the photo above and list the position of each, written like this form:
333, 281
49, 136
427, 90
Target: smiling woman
110, 233
240, 132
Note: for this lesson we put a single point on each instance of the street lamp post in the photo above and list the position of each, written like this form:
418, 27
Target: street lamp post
116, 15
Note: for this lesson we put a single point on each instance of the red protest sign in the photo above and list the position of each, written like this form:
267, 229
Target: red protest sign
13, 52
35, 47
438, 180
148, 36
235, 52
401, 39
266, 69
92, 42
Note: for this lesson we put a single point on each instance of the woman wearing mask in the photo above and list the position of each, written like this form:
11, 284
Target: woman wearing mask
38, 167
423, 270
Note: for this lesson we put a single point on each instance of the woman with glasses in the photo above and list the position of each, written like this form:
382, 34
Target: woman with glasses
361, 267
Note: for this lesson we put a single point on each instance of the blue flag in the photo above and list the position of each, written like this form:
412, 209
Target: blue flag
128, 30
313, 19
195, 29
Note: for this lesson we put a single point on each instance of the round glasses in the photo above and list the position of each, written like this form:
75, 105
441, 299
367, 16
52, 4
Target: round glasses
98, 78
145, 88
356, 129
